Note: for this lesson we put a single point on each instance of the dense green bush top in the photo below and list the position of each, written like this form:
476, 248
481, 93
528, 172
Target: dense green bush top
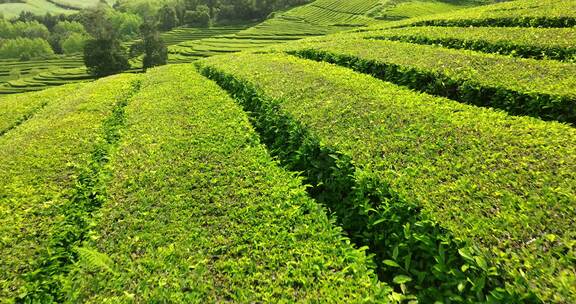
199, 213
539, 43
18, 108
39, 166
500, 183
524, 13
523, 75
543, 88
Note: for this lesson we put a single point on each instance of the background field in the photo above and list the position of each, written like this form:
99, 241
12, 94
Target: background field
189, 44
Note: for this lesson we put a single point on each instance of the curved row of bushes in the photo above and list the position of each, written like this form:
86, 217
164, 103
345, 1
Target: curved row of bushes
518, 86
536, 43
458, 203
198, 212
46, 191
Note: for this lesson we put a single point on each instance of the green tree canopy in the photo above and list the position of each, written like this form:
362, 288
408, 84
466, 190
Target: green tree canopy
32, 29
105, 57
167, 18
155, 52
25, 48
103, 54
74, 43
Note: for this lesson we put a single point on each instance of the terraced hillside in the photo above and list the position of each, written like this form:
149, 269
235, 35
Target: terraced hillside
188, 36
25, 76
14, 8
319, 18
410, 162
189, 44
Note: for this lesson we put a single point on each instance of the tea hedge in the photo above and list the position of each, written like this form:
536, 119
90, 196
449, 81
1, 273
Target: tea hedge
537, 43
16, 109
519, 86
198, 212
46, 167
459, 203
523, 13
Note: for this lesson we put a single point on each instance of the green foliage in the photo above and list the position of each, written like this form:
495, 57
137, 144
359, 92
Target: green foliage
25, 48
198, 212
33, 29
167, 18
74, 43
397, 10
62, 31
199, 17
105, 57
99, 24
125, 25
443, 193
147, 9
16, 109
65, 28
537, 43
519, 86
95, 261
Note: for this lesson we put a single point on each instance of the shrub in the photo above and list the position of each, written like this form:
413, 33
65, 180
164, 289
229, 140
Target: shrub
105, 57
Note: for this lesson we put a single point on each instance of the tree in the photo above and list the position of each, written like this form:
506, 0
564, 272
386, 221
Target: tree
167, 18
17, 29
211, 7
198, 18
126, 25
25, 48
105, 57
26, 16
97, 22
74, 43
155, 52
62, 31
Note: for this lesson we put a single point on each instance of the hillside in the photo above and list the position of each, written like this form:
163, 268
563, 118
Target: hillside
363, 158
318, 18
41, 7
189, 44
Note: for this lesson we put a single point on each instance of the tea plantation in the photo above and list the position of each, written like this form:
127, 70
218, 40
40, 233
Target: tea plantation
336, 153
